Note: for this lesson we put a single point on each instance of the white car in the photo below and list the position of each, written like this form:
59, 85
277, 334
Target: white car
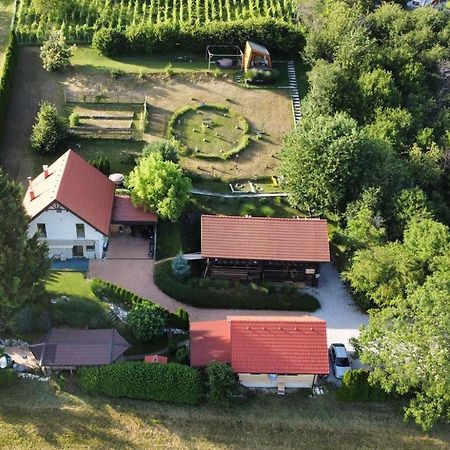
413, 4
340, 360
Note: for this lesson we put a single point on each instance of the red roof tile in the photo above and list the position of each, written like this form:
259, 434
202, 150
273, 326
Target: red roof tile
209, 341
262, 238
281, 345
262, 344
76, 185
125, 212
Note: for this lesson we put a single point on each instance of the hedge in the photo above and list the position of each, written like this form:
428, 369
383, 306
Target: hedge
173, 382
7, 76
208, 293
355, 387
277, 35
104, 290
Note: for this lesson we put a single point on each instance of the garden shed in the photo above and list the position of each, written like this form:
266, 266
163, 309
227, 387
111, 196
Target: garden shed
264, 249
256, 56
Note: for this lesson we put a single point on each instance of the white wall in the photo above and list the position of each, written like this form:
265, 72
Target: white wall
62, 226
263, 381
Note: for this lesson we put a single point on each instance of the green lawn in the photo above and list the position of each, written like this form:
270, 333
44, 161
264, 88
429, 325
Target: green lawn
6, 13
70, 284
35, 415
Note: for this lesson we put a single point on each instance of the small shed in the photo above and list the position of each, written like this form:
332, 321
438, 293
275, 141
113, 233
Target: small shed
155, 359
256, 56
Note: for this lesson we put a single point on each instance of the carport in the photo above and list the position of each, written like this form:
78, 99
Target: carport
132, 231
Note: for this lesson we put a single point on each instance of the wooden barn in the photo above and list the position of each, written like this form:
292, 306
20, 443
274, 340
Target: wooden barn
264, 249
256, 56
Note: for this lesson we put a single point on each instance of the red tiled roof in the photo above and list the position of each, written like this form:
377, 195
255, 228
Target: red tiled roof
262, 344
69, 348
263, 238
76, 185
281, 345
209, 341
125, 212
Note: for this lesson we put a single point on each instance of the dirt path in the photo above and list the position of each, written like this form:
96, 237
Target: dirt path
32, 84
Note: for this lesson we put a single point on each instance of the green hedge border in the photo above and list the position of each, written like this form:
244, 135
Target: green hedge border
243, 123
7, 77
207, 293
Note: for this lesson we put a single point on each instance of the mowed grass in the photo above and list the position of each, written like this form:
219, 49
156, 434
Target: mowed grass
209, 131
70, 284
34, 415
6, 13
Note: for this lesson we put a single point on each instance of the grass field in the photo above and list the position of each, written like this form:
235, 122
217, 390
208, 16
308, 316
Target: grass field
35, 416
6, 13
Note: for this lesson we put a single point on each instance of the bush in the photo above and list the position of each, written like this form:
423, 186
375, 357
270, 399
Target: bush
78, 312
55, 53
167, 150
255, 76
23, 321
180, 266
182, 355
49, 130
102, 164
169, 383
146, 320
221, 383
356, 387
109, 42
179, 319
207, 293
74, 120
43, 321
7, 75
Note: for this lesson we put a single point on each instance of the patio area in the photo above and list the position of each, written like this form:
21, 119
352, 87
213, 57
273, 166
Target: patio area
126, 246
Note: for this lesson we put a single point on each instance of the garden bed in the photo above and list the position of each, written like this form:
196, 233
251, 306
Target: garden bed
207, 293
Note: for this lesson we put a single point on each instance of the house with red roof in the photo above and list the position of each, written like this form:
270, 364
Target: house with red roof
264, 249
265, 351
72, 205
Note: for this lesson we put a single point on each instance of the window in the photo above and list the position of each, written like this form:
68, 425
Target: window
80, 230
42, 232
90, 248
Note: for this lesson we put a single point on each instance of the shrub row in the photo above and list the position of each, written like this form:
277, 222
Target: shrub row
173, 382
7, 76
207, 293
356, 387
104, 290
278, 36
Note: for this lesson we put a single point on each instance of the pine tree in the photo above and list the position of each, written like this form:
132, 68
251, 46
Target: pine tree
180, 266
23, 262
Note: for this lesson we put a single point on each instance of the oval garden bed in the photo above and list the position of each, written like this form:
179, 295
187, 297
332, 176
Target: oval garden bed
209, 131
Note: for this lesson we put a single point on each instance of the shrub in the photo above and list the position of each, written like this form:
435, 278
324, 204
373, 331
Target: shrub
166, 149
102, 164
255, 76
182, 355
146, 320
49, 130
356, 387
74, 119
221, 383
207, 293
179, 319
43, 321
169, 383
180, 266
78, 312
109, 42
170, 71
23, 321
55, 53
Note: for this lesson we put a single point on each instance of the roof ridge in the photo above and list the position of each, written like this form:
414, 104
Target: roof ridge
65, 159
316, 219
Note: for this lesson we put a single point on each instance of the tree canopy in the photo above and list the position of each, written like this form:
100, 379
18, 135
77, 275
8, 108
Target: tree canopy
160, 186
24, 263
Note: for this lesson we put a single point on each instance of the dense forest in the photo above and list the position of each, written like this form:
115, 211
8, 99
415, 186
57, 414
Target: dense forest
372, 154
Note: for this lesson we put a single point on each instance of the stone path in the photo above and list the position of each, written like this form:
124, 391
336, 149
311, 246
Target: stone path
294, 92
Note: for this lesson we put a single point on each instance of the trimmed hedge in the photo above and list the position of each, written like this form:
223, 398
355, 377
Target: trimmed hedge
356, 387
277, 35
7, 76
104, 290
173, 382
208, 293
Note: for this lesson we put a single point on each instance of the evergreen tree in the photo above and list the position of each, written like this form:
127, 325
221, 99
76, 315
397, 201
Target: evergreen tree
55, 53
23, 262
180, 266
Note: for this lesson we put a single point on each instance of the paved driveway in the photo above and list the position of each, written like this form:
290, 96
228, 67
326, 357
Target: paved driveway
343, 319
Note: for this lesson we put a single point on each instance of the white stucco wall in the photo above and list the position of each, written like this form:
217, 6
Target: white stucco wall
263, 380
61, 227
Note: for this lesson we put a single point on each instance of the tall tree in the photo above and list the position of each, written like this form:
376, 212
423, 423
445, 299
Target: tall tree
24, 263
55, 53
160, 186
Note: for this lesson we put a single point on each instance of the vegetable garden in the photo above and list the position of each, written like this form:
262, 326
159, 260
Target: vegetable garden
80, 18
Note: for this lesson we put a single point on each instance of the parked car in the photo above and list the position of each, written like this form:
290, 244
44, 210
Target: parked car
413, 4
340, 360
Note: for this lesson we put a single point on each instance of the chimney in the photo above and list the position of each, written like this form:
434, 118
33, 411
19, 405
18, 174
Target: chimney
45, 169
30, 189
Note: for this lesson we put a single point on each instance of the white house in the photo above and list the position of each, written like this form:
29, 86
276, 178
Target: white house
71, 206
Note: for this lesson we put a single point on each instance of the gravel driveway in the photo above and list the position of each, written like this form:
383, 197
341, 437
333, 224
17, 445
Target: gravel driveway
343, 319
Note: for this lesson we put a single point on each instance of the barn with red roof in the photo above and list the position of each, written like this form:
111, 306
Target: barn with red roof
71, 205
265, 351
264, 249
